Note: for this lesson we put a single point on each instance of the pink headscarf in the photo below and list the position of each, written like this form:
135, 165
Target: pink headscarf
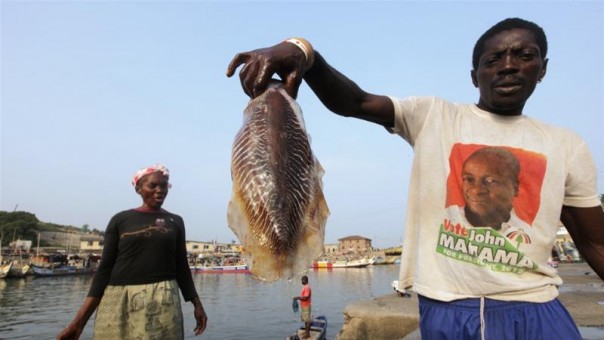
149, 170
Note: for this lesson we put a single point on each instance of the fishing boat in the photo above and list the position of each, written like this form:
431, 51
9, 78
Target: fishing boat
63, 264
5, 269
236, 269
352, 263
19, 269
318, 330
216, 265
322, 264
62, 270
343, 262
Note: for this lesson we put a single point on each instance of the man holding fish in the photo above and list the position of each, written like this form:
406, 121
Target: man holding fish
489, 284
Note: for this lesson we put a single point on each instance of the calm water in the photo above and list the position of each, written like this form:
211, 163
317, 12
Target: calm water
238, 306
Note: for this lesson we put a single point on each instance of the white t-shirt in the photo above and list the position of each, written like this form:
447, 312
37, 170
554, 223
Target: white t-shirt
514, 228
447, 259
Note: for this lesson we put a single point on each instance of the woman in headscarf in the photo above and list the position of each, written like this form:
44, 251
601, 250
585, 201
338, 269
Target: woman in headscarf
143, 267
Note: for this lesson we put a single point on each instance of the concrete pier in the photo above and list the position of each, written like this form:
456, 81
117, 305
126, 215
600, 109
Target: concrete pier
392, 317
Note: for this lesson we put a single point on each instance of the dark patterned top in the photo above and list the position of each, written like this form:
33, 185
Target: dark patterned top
143, 247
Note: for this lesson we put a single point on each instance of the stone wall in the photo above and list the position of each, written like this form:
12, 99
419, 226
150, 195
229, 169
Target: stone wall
392, 317
387, 317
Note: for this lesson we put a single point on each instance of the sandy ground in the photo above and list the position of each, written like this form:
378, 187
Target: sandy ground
582, 293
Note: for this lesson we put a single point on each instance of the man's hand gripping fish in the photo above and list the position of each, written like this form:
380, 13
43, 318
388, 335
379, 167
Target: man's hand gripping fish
278, 210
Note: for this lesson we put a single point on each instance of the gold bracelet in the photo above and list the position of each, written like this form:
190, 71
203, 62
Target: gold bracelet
306, 48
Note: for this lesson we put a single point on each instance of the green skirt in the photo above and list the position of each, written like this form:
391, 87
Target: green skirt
149, 311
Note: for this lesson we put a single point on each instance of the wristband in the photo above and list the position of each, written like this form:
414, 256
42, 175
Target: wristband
306, 48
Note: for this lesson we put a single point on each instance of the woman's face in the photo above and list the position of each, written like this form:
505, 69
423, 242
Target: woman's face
153, 189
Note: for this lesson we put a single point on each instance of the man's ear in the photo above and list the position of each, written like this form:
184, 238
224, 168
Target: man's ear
474, 80
543, 69
137, 189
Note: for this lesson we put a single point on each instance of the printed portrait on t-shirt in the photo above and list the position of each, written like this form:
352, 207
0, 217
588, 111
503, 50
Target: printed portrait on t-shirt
493, 196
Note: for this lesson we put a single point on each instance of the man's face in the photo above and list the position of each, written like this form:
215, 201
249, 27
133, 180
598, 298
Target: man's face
153, 189
489, 191
508, 71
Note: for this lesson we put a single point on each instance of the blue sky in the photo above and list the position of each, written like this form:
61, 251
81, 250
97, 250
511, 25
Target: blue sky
93, 91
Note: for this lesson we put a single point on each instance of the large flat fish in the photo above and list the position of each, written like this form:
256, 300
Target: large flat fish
277, 210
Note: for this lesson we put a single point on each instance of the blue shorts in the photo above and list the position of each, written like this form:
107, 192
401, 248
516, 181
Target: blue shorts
461, 319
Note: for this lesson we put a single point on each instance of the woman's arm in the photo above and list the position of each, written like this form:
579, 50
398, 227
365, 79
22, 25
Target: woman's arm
76, 326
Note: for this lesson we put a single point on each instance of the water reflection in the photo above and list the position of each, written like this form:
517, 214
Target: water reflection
238, 305
37, 308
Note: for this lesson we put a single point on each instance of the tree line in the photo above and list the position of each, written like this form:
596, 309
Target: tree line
22, 225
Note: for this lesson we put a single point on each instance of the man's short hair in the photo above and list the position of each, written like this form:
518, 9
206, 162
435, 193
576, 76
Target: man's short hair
506, 25
509, 162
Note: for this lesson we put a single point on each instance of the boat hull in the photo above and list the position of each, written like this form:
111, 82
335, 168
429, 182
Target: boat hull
5, 269
240, 269
62, 270
318, 330
358, 263
322, 265
351, 264
19, 270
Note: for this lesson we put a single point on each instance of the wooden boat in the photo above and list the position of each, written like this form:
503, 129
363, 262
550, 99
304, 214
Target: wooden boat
21, 266
343, 262
227, 265
322, 264
5, 269
236, 269
318, 330
62, 270
19, 270
355, 263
